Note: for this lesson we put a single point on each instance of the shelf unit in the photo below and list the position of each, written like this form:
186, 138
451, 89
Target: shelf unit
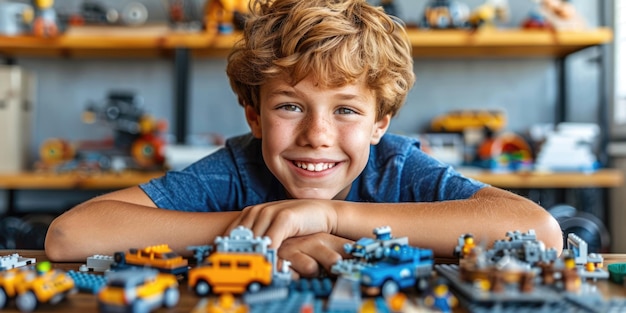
159, 41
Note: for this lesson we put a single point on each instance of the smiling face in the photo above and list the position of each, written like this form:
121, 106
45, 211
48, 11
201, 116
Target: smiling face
316, 140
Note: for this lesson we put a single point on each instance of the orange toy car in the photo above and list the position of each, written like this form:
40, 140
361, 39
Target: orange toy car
139, 290
230, 272
160, 257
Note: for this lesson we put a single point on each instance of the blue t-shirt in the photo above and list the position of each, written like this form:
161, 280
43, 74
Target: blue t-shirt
236, 176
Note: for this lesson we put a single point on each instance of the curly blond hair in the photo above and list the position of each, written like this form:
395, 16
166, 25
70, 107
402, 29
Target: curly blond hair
336, 42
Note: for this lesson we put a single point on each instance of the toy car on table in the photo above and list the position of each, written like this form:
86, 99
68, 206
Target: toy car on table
138, 290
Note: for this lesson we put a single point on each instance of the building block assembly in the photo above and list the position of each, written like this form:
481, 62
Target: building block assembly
240, 273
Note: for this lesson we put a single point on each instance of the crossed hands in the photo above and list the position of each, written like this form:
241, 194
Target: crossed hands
302, 230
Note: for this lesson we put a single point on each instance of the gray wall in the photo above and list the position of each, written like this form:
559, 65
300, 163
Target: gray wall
526, 88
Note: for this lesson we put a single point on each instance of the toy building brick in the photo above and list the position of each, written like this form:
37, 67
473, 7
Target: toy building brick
97, 263
242, 239
16, 105
14, 260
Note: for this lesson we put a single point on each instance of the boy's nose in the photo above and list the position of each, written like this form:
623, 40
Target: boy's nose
316, 131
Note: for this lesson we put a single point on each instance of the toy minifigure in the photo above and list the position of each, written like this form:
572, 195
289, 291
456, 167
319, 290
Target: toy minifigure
45, 22
440, 298
468, 245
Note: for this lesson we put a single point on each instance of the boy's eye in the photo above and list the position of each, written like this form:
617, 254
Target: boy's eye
345, 111
290, 107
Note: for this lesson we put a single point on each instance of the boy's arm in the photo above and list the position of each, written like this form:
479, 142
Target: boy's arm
488, 215
129, 219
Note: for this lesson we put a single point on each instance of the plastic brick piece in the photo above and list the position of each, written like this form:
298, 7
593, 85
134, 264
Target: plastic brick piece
617, 272
14, 260
321, 287
295, 302
87, 282
97, 263
346, 296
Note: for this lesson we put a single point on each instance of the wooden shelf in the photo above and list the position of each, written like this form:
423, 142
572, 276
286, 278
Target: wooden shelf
604, 178
68, 181
504, 43
160, 41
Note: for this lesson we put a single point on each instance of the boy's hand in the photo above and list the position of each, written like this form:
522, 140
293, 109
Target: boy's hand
310, 254
288, 218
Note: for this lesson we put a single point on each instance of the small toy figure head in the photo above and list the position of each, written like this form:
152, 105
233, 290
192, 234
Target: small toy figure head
440, 290
44, 4
468, 239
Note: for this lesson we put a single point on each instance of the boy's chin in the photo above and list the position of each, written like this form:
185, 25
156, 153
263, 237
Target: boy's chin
317, 193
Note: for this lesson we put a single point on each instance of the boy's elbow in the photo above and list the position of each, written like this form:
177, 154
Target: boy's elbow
549, 231
57, 242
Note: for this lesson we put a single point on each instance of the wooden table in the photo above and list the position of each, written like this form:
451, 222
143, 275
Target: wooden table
85, 302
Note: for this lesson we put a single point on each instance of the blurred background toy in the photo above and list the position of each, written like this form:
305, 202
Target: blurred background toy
137, 140
535, 20
442, 14
225, 16
93, 12
505, 152
15, 18
134, 129
490, 12
460, 120
45, 23
561, 14
184, 14
576, 141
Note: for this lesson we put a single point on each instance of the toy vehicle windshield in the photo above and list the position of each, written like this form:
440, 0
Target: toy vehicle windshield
169, 255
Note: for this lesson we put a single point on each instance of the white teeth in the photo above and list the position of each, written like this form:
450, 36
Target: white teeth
314, 167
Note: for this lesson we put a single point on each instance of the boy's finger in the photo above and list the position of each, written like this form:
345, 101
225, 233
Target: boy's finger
304, 265
277, 237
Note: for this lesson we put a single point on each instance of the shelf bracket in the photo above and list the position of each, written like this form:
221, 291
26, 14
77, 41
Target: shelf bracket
181, 89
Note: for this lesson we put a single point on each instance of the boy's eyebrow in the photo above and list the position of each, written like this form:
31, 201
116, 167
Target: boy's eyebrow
281, 92
290, 93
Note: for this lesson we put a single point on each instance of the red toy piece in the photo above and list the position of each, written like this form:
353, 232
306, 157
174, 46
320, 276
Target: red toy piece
45, 22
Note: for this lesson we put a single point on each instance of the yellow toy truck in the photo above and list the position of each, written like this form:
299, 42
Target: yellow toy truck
40, 285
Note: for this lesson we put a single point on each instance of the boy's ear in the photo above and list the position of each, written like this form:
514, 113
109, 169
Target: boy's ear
254, 121
380, 128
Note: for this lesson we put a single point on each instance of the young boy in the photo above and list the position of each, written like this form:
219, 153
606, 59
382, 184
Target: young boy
319, 81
